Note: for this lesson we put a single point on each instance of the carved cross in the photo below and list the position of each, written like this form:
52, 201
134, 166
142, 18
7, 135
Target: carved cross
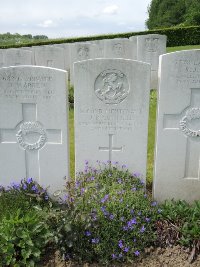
188, 122
31, 136
110, 147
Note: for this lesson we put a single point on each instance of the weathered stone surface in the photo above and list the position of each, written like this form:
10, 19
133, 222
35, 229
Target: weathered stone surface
17, 56
119, 48
81, 51
177, 157
33, 126
111, 112
50, 56
149, 48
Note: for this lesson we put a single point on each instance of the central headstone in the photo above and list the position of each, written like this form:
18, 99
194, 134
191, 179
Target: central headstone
33, 126
111, 112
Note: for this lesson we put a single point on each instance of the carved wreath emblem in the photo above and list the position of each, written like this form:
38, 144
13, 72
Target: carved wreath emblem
29, 128
111, 86
191, 114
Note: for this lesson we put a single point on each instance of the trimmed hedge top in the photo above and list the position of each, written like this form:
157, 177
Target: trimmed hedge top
175, 37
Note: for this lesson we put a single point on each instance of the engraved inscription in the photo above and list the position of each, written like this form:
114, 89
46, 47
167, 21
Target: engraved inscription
83, 53
111, 119
187, 72
111, 86
118, 49
15, 87
151, 44
28, 128
191, 114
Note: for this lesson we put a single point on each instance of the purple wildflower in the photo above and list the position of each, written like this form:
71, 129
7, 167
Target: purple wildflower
87, 233
15, 185
120, 244
136, 174
105, 198
24, 186
142, 229
154, 203
95, 240
29, 180
82, 191
137, 253
147, 219
126, 249
114, 256
111, 216
34, 188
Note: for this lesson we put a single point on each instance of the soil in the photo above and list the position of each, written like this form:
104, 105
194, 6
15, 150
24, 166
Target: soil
160, 257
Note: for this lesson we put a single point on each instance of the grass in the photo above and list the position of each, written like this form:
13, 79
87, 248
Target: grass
179, 48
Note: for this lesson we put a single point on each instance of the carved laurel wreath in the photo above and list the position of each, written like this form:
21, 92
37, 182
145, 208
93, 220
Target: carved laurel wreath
31, 127
191, 114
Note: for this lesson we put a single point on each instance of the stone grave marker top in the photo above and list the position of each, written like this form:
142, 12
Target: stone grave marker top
50, 56
33, 126
149, 48
177, 162
111, 112
17, 56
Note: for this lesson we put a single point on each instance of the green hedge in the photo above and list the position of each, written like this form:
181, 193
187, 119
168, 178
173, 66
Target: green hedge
175, 37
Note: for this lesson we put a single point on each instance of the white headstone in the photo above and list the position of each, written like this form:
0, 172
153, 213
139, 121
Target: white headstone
79, 52
66, 47
149, 48
33, 126
17, 56
111, 112
177, 158
2, 53
119, 48
50, 56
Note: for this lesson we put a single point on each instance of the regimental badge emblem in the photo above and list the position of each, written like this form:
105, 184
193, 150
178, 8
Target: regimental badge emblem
151, 44
83, 53
118, 49
111, 86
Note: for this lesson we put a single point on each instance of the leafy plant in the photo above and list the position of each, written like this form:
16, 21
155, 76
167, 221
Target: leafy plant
23, 238
23, 195
110, 213
180, 223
